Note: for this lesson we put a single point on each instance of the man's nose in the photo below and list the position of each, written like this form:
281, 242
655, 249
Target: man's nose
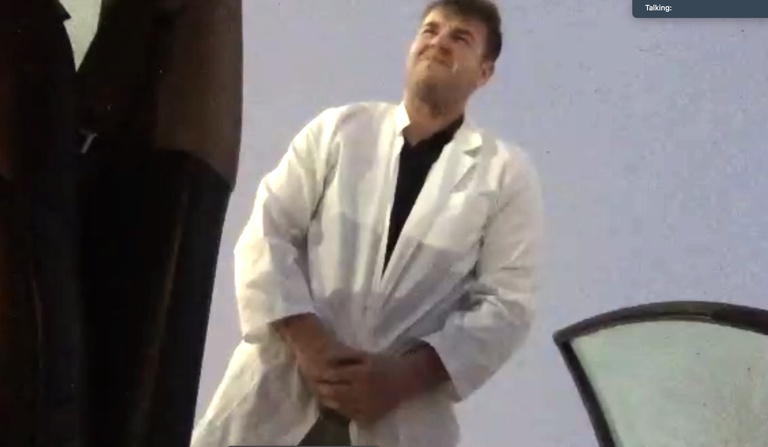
441, 41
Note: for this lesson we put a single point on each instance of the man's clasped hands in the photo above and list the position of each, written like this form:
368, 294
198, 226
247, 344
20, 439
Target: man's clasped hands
359, 385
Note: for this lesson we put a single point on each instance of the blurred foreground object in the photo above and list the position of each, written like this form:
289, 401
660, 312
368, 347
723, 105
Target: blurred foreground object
682, 374
116, 177
40, 307
161, 99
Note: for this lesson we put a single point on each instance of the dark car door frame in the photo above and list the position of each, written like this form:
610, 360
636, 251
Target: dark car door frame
722, 314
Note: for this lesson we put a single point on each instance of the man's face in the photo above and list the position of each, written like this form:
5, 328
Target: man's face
446, 63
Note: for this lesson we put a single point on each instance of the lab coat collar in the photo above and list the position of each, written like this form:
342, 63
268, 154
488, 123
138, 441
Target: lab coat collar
467, 138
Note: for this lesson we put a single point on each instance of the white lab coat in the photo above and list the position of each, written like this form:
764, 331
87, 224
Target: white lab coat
462, 276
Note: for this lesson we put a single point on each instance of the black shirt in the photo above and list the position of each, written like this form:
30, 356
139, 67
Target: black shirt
414, 165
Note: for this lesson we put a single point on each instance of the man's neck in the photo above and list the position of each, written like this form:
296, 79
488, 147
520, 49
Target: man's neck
424, 122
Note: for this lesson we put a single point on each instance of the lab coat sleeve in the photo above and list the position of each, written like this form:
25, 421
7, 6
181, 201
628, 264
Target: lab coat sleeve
478, 339
270, 255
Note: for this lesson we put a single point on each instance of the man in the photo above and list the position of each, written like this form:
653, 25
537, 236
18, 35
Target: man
389, 267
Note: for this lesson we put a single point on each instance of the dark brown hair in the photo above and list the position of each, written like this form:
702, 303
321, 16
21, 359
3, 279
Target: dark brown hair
484, 11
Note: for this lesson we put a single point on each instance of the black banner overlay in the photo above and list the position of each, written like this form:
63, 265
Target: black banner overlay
700, 9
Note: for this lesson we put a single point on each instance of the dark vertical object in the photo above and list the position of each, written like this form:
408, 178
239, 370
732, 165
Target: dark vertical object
40, 344
161, 87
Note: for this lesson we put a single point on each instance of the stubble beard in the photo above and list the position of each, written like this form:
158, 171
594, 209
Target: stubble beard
438, 98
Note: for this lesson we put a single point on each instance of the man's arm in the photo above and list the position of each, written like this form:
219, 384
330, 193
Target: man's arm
270, 278
303, 333
422, 371
476, 342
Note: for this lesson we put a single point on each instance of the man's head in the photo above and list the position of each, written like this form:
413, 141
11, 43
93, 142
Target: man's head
454, 52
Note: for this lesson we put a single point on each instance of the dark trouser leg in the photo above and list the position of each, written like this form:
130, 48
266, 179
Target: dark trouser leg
153, 221
40, 344
329, 430
19, 350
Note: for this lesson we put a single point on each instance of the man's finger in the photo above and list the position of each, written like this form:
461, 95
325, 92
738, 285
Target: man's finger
346, 357
332, 390
338, 398
343, 374
332, 404
333, 377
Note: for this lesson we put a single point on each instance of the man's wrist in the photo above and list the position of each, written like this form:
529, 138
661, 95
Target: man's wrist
303, 333
423, 371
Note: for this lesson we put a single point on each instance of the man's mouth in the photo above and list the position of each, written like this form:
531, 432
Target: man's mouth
438, 61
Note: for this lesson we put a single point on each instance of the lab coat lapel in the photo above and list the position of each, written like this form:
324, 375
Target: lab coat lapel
455, 162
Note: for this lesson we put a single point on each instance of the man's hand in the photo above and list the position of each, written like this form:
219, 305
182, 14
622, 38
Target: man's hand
362, 386
364, 391
370, 389
315, 366
317, 351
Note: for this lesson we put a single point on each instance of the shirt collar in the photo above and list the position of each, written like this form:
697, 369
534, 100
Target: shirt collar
465, 132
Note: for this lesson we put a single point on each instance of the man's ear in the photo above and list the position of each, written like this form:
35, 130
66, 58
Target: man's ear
487, 69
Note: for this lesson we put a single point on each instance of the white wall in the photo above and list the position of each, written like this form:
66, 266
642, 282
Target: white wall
84, 16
